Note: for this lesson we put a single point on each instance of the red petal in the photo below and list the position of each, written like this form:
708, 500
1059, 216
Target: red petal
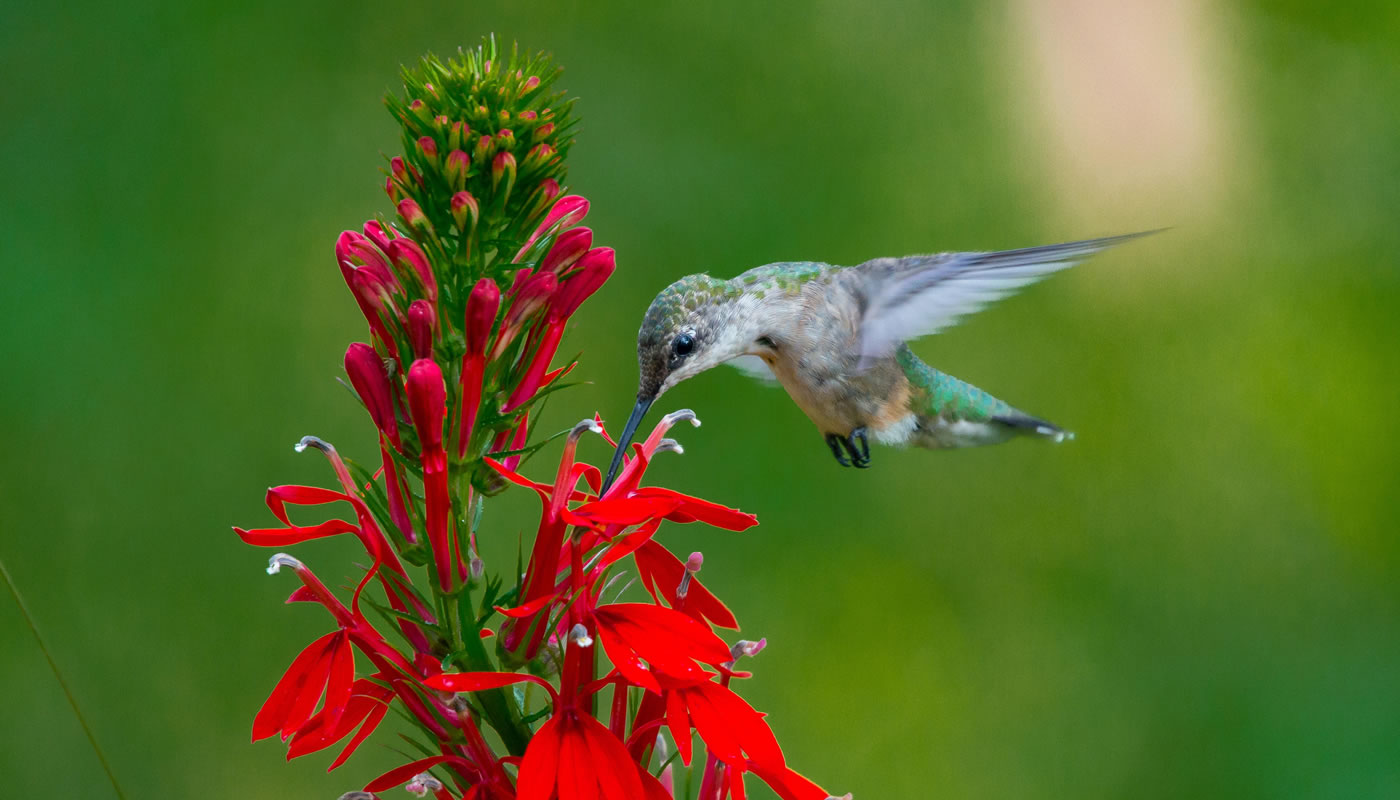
661, 634
371, 722
678, 721
788, 784
661, 573
273, 715
578, 773
540, 765
626, 661
478, 681
281, 537
403, 774
652, 788
739, 719
615, 771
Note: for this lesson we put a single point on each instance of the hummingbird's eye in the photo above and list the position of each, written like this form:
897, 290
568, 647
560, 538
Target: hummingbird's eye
683, 344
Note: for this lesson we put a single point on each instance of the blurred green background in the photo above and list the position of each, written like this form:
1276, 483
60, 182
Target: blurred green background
1199, 597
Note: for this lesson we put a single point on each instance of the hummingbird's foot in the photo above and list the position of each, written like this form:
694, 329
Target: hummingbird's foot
859, 448
834, 442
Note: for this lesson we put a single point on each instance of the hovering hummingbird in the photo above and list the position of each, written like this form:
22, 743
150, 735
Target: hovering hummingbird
834, 337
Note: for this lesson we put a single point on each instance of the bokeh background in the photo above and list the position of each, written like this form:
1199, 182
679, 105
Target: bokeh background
1198, 597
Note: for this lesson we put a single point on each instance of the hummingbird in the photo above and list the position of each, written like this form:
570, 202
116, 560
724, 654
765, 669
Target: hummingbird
835, 338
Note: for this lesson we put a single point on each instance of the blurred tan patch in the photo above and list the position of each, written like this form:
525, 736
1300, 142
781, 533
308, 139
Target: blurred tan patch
1127, 101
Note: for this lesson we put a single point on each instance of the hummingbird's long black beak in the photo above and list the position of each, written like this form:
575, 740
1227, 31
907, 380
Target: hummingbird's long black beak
640, 410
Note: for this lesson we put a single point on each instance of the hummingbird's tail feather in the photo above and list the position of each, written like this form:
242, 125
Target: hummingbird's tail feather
1033, 426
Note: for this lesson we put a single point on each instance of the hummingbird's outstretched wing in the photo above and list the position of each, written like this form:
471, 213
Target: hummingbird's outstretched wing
919, 295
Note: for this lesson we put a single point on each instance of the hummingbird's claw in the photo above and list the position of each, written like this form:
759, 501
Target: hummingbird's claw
860, 457
834, 442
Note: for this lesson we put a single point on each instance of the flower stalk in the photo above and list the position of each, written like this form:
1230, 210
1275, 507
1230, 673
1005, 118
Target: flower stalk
467, 293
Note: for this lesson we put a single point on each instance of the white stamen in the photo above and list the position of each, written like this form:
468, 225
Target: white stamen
313, 441
579, 636
280, 560
669, 446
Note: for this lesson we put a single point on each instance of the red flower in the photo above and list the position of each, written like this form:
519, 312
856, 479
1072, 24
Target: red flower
326, 666
667, 640
662, 574
574, 756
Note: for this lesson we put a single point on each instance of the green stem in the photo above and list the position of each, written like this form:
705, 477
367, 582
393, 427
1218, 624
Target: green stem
58, 676
500, 709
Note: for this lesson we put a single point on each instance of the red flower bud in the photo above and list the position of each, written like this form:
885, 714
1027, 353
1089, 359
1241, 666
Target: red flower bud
505, 139
427, 401
375, 233
407, 255
427, 404
412, 214
422, 327
528, 116
391, 190
353, 252
543, 131
482, 305
371, 382
534, 292
567, 249
503, 171
398, 168
456, 169
429, 150
483, 149
567, 213
539, 155
465, 211
459, 135
531, 83
593, 270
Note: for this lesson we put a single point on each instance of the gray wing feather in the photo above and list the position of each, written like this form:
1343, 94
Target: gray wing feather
919, 295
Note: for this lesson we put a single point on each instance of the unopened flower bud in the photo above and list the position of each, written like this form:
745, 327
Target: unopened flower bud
422, 327
483, 149
531, 84
371, 382
398, 169
567, 249
411, 260
428, 149
412, 215
594, 269
376, 233
459, 134
465, 211
482, 305
543, 131
539, 154
456, 170
391, 189
430, 89
503, 173
440, 123
527, 116
477, 567
420, 108
427, 401
505, 139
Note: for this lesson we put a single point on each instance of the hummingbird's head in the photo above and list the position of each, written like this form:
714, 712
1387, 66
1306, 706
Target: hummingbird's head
682, 334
